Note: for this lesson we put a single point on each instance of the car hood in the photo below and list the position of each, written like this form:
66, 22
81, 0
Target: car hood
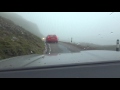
83, 57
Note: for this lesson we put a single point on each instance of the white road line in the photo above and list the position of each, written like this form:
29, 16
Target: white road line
45, 48
49, 48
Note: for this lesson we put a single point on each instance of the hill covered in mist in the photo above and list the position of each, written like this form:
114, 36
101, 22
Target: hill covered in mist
17, 41
19, 20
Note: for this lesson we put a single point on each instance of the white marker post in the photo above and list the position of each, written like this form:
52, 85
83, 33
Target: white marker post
71, 40
117, 45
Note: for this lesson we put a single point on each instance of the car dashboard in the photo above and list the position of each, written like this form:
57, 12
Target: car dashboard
98, 70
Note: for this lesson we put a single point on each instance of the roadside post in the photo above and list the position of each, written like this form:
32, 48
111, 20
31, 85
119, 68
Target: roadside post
45, 51
71, 40
117, 45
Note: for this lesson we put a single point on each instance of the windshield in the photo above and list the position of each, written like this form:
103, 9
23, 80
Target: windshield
39, 38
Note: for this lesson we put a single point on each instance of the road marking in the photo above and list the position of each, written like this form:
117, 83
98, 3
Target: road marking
45, 48
49, 48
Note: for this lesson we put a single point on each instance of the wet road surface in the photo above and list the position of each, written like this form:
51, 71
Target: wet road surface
61, 47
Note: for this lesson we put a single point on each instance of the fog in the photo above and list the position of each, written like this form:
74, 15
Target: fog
92, 27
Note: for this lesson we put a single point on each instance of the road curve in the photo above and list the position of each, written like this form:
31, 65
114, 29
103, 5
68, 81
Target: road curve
61, 47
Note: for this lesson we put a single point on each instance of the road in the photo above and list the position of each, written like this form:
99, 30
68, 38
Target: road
61, 47
65, 47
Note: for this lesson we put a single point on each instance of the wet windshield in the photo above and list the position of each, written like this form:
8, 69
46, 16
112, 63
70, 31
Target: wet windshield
26, 36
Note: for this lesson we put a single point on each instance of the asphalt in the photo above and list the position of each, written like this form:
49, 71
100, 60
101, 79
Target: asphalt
65, 47
61, 47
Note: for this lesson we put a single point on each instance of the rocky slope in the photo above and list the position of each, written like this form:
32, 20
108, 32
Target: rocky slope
16, 41
19, 20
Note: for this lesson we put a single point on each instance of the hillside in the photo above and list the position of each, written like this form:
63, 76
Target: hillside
16, 41
17, 19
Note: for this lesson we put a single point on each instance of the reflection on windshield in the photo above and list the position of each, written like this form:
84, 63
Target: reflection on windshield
53, 33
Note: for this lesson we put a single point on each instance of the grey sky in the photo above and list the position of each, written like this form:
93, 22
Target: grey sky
92, 27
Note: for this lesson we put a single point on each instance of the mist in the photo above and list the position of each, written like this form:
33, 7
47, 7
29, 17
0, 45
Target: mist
101, 28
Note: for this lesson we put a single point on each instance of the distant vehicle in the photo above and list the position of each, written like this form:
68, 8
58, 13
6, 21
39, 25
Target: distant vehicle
52, 38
